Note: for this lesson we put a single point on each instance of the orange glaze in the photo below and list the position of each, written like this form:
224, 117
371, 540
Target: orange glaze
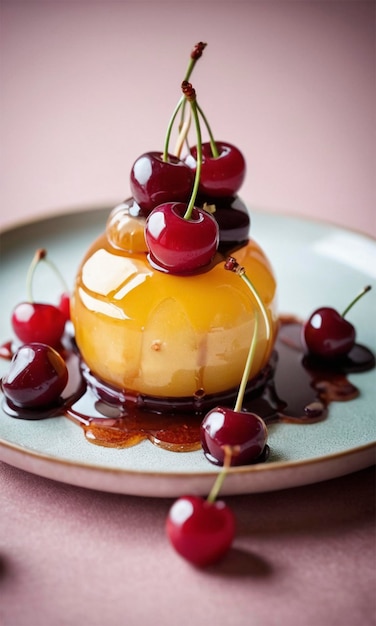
149, 332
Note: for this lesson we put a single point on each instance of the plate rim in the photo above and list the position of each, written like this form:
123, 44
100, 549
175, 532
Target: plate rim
365, 452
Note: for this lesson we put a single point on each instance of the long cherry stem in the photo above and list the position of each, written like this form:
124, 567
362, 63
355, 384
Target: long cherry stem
169, 128
190, 94
213, 144
196, 54
41, 255
217, 486
360, 295
250, 358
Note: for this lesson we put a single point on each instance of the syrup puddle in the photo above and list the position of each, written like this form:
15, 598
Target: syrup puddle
294, 388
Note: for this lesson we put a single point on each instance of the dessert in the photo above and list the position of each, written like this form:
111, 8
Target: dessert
169, 346
155, 315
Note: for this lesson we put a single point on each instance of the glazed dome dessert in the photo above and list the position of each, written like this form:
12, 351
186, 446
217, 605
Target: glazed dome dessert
156, 333
155, 313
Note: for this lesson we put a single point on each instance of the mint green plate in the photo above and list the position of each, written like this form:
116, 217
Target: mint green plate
315, 264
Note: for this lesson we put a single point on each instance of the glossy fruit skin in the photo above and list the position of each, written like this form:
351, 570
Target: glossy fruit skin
64, 305
220, 176
179, 245
154, 181
36, 377
327, 334
244, 432
200, 531
37, 321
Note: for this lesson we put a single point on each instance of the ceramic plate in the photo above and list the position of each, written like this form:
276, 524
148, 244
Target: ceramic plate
315, 264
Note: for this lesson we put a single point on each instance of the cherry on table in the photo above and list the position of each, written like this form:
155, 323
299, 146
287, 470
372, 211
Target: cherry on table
36, 377
201, 531
38, 321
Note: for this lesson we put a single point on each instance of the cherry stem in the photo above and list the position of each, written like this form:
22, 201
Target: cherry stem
251, 355
233, 266
196, 54
169, 128
190, 94
217, 486
213, 144
41, 255
360, 295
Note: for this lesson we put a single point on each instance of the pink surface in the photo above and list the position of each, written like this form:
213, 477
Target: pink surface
86, 88
71, 556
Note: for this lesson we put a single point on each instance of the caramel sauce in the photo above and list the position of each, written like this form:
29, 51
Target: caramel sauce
293, 388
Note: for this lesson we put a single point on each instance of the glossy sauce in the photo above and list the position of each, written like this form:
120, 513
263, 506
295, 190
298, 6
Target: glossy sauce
294, 387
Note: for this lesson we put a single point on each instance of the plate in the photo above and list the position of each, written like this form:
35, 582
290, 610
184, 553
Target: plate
315, 264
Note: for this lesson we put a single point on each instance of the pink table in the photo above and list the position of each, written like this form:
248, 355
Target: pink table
294, 87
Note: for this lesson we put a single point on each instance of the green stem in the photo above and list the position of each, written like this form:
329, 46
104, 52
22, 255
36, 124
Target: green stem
188, 213
213, 145
251, 355
260, 303
38, 256
41, 255
169, 128
217, 486
360, 295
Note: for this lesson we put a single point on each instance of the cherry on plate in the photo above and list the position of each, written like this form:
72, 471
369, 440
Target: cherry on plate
36, 377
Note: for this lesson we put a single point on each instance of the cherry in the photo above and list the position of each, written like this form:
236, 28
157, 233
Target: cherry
179, 245
39, 321
36, 377
233, 220
222, 172
327, 334
180, 238
200, 531
64, 305
243, 432
156, 179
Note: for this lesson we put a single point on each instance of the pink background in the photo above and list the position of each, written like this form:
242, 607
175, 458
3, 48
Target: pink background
87, 86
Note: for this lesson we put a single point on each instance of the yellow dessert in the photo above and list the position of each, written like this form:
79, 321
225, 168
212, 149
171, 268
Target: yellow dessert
144, 331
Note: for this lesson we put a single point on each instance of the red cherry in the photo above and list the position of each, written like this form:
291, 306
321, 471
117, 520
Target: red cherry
64, 305
327, 334
200, 531
154, 180
36, 321
222, 175
244, 433
36, 378
177, 244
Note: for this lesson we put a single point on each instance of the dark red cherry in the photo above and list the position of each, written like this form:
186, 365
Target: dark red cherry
244, 433
200, 531
154, 181
177, 244
222, 175
328, 334
37, 321
36, 377
233, 220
